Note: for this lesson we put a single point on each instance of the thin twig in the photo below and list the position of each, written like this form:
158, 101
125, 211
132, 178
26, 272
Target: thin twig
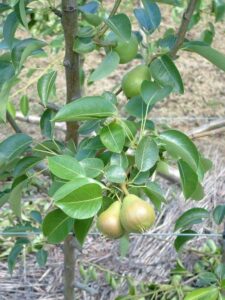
51, 106
217, 124
183, 27
112, 13
13, 123
207, 133
85, 288
56, 11
36, 120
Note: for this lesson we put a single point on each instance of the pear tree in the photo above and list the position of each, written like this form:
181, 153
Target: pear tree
104, 172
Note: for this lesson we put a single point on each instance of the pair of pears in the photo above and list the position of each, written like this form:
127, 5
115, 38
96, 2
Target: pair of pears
132, 215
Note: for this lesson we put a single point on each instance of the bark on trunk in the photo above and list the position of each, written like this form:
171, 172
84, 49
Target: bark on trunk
73, 89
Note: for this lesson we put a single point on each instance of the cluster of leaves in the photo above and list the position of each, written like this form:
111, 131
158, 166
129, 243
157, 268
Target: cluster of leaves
203, 280
113, 150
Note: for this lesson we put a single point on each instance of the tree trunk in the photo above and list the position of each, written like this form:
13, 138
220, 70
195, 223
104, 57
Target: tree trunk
73, 90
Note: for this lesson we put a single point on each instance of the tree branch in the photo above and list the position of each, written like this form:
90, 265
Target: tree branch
211, 126
13, 123
183, 27
36, 120
56, 11
208, 133
86, 288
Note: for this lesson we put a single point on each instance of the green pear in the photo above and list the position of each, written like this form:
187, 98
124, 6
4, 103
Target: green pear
127, 50
108, 222
136, 215
132, 81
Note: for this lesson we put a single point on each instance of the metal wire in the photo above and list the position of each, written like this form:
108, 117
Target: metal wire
187, 118
148, 234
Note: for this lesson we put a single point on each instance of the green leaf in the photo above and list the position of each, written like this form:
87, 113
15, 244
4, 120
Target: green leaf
124, 245
206, 278
23, 49
148, 17
190, 217
92, 19
120, 25
36, 216
180, 146
208, 34
15, 198
212, 55
83, 203
219, 9
113, 137
138, 177
119, 159
56, 226
115, 174
65, 167
154, 193
189, 179
136, 107
83, 45
47, 127
13, 255
147, 154
4, 7
89, 126
11, 109
151, 92
181, 240
81, 229
70, 186
4, 199
107, 66
92, 166
24, 165
165, 72
41, 257
198, 193
20, 9
219, 214
204, 166
130, 129
4, 96
87, 108
13, 147
220, 270
48, 148
24, 105
9, 29
88, 147
7, 71
208, 293
45, 85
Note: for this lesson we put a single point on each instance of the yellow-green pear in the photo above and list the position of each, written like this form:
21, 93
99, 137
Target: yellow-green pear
108, 222
132, 81
136, 215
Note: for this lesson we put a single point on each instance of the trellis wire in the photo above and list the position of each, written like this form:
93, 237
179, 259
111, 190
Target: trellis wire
148, 234
186, 118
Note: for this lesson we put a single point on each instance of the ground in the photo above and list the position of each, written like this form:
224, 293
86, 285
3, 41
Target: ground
148, 257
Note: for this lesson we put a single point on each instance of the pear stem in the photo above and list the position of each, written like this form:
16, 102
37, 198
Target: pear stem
124, 188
